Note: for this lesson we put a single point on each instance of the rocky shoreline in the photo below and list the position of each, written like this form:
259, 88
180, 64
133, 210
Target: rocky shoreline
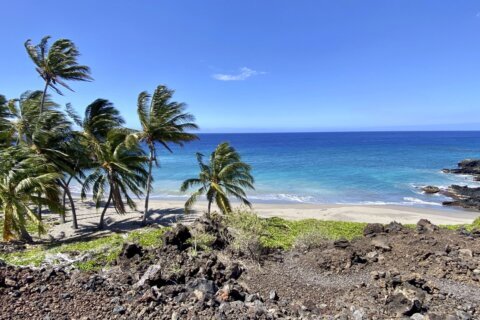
462, 196
390, 272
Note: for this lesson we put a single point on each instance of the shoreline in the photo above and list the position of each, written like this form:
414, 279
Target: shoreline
165, 212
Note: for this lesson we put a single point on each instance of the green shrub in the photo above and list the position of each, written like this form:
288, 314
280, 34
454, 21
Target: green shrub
476, 223
248, 231
202, 241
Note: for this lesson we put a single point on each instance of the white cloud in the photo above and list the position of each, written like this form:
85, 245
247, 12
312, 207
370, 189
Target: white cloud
244, 74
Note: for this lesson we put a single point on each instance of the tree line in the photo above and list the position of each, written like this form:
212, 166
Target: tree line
44, 148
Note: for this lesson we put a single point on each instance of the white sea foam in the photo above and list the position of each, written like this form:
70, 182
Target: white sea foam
411, 200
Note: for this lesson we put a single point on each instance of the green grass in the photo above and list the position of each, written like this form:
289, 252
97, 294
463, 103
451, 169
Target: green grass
469, 227
281, 233
103, 250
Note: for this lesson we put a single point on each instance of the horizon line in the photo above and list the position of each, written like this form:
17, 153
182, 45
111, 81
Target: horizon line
346, 131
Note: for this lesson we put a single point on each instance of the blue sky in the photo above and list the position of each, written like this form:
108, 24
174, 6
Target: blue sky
276, 65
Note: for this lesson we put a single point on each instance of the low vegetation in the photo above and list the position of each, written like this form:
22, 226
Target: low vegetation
281, 233
91, 254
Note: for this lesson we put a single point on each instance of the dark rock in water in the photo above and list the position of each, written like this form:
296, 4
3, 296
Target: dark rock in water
372, 229
463, 196
341, 243
131, 250
394, 227
467, 166
423, 226
431, 189
177, 237
2, 264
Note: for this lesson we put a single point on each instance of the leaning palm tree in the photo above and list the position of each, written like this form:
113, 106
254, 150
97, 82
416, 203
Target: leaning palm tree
120, 167
22, 175
115, 161
225, 175
57, 64
164, 122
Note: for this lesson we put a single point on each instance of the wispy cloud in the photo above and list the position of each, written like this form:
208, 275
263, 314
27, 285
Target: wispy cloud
244, 74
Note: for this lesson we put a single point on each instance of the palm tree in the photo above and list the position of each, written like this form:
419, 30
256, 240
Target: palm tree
57, 64
22, 175
163, 121
116, 161
225, 175
50, 136
121, 168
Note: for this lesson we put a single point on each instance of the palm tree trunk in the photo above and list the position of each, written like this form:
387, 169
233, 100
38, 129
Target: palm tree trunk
100, 225
149, 181
39, 208
72, 206
24, 235
64, 202
47, 83
209, 206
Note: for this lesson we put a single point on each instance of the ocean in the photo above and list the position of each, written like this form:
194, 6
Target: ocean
373, 168
332, 168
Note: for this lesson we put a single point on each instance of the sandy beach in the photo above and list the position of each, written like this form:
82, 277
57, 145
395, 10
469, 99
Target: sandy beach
165, 212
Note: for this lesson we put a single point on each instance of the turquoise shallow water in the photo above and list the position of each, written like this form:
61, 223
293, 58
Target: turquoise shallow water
328, 168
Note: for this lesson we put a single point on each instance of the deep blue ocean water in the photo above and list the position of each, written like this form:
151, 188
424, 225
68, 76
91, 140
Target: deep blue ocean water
332, 168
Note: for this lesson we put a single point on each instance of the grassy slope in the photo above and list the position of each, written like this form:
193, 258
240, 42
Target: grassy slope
102, 250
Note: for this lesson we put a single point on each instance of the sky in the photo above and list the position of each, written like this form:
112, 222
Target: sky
265, 66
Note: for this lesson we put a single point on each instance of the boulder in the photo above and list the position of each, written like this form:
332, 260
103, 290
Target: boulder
394, 227
341, 243
405, 301
273, 295
152, 276
202, 288
431, 189
381, 243
178, 237
372, 229
131, 250
423, 226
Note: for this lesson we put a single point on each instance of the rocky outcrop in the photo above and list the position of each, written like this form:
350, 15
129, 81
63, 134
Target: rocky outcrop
431, 189
463, 196
467, 166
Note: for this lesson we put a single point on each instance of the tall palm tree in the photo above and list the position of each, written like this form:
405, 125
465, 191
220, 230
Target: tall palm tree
225, 175
121, 168
163, 121
57, 64
48, 133
22, 175
116, 163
